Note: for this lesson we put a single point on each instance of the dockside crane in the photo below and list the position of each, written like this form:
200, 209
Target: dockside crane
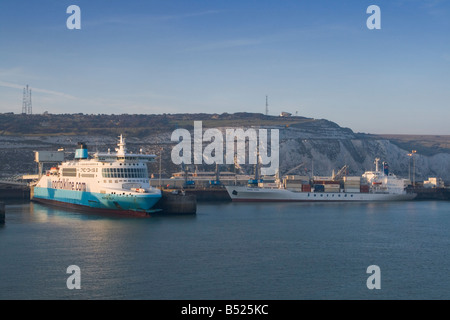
341, 173
295, 168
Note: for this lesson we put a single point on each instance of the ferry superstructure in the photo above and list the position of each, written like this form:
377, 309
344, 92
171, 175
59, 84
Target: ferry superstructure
371, 186
116, 181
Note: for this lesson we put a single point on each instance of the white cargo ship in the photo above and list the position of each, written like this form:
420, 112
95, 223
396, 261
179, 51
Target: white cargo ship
117, 182
378, 185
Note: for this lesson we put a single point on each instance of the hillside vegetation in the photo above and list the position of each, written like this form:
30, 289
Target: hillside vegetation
132, 125
423, 144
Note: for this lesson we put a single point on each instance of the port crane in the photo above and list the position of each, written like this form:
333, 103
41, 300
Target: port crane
295, 168
341, 173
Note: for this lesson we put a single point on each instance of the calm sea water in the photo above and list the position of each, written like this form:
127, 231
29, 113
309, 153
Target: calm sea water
230, 251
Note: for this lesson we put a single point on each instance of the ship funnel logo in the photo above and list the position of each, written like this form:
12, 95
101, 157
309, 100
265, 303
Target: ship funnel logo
260, 150
81, 152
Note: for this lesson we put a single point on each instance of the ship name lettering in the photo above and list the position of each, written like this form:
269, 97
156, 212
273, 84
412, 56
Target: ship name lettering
69, 185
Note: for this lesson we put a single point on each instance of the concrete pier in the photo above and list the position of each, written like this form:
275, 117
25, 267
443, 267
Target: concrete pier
209, 194
2, 213
14, 192
177, 203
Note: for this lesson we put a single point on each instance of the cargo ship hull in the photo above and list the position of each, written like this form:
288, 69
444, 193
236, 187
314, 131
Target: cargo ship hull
371, 186
252, 194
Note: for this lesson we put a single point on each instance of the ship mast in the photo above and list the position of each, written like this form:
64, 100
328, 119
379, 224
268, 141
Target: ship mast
122, 147
376, 164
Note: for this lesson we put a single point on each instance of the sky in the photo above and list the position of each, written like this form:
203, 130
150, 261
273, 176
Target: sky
316, 59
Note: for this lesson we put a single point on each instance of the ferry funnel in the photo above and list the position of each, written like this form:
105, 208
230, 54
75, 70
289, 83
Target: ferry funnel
386, 168
81, 152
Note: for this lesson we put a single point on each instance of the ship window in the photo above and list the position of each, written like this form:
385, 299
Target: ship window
124, 173
69, 172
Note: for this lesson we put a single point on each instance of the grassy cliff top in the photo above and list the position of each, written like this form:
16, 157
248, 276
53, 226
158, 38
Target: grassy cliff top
423, 144
133, 125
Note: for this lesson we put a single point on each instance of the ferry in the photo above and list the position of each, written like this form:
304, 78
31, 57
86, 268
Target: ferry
378, 185
112, 182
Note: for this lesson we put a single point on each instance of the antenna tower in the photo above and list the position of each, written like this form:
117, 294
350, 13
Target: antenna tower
267, 106
26, 101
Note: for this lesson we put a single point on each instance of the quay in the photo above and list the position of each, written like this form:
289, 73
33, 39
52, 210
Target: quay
217, 194
432, 193
14, 192
177, 202
2, 213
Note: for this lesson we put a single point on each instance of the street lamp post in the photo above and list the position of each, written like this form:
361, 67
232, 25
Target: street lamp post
409, 166
160, 157
414, 167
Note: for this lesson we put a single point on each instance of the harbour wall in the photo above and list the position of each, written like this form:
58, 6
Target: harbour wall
8, 193
2, 213
174, 202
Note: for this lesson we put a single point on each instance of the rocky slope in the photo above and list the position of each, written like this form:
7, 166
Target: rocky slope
320, 146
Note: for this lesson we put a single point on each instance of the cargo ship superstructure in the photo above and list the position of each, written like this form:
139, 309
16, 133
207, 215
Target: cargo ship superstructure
113, 181
378, 185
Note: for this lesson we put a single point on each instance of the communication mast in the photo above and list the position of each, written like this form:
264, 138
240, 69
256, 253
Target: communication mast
267, 106
26, 101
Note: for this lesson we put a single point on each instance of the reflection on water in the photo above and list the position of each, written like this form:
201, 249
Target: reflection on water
229, 251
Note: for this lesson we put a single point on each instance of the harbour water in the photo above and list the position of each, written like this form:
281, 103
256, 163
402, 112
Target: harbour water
231, 251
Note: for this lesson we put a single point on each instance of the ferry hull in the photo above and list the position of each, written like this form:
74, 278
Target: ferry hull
249, 194
140, 205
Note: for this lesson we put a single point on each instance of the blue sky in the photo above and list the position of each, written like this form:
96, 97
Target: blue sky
316, 58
